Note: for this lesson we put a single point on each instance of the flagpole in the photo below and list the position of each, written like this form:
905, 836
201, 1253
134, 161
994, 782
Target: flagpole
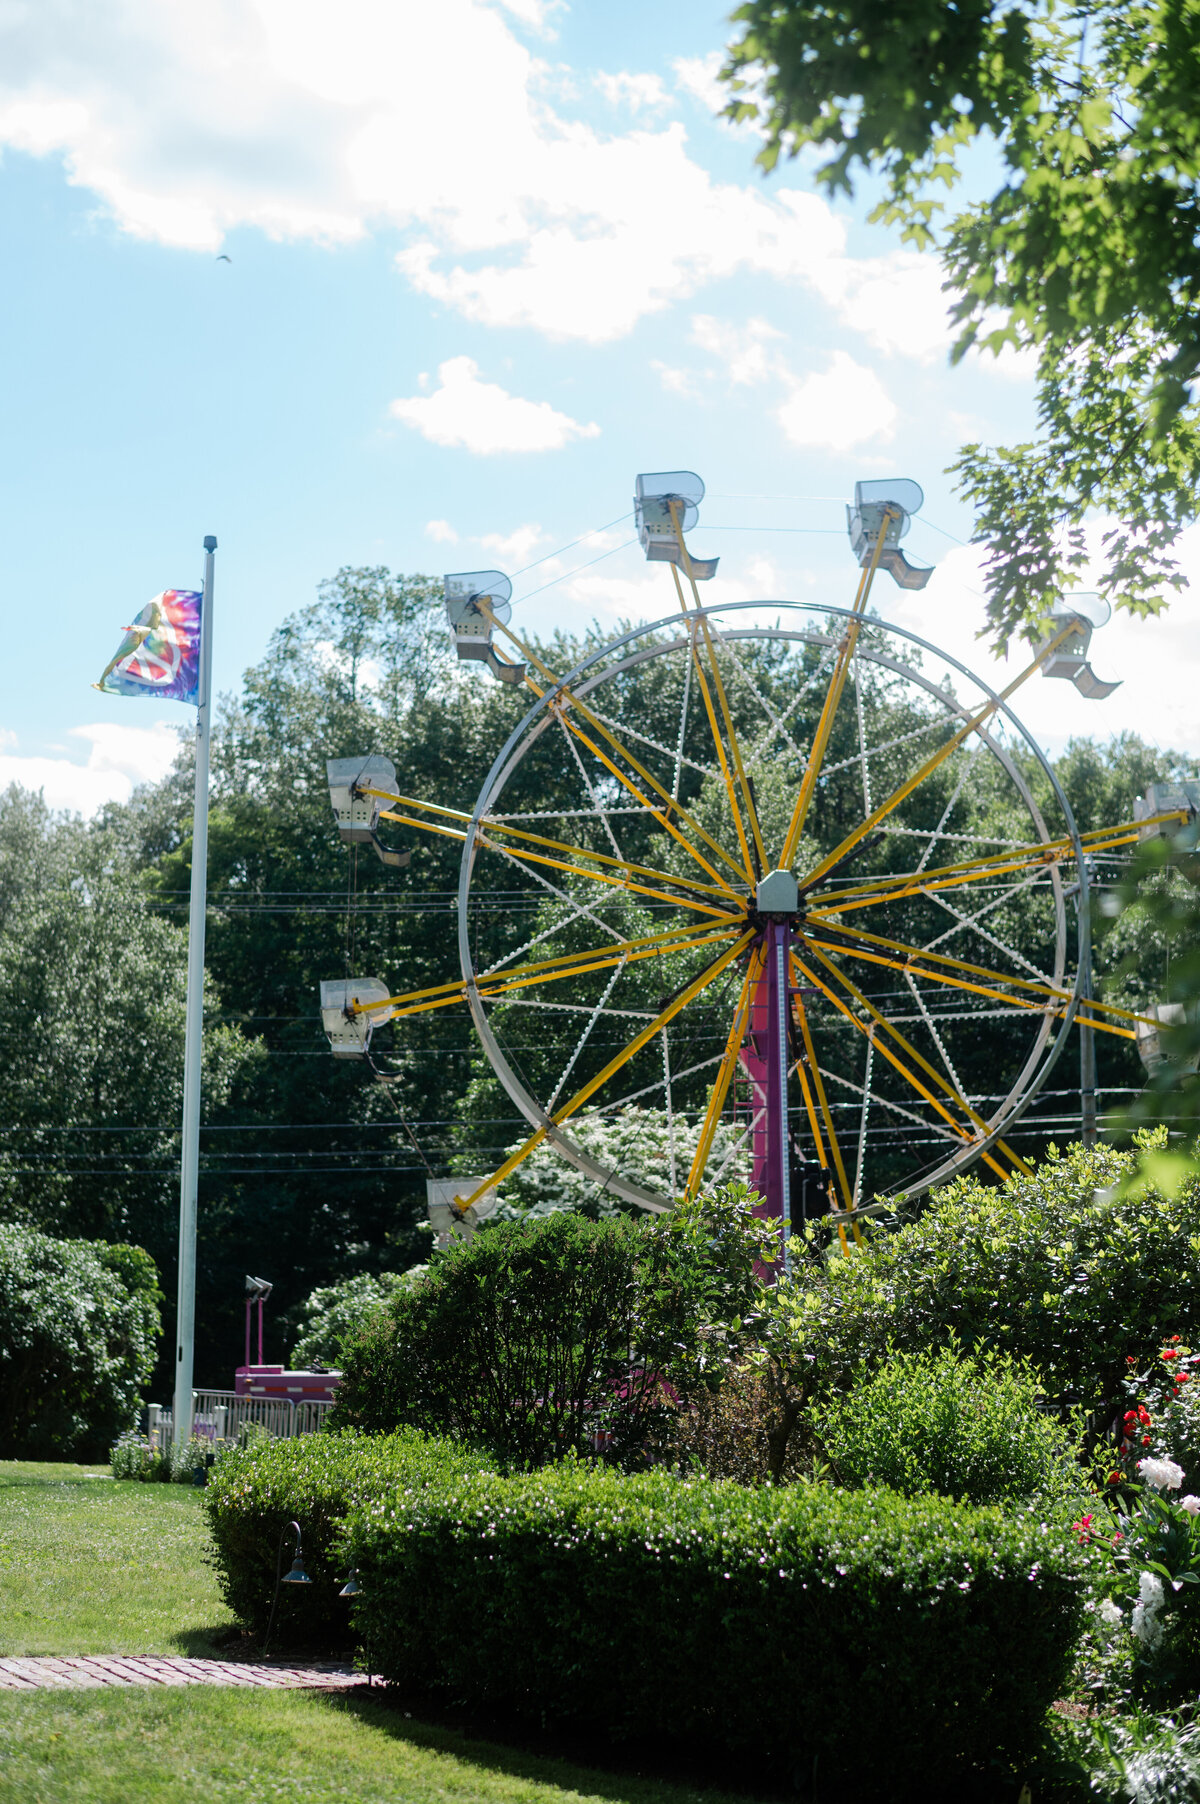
193, 1044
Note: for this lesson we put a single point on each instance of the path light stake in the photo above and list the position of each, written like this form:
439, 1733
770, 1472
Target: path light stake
297, 1576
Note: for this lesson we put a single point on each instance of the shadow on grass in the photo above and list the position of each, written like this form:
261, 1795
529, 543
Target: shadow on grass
581, 1760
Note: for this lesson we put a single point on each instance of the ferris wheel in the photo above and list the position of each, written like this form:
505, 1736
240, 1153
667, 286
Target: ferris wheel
797, 884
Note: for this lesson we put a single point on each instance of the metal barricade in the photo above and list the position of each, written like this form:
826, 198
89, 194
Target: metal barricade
222, 1416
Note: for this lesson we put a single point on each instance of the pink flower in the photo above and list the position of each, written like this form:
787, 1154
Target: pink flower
1191, 1504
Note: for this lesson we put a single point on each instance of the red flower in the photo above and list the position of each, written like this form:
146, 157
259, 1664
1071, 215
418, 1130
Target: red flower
1130, 1359
1114, 1478
1145, 1440
1171, 1338
1131, 1415
1169, 1353
1143, 1415
1182, 1378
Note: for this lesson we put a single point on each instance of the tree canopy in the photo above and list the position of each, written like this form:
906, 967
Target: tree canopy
1085, 253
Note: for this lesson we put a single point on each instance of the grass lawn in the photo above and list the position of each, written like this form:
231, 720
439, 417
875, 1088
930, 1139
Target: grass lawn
89, 1566
160, 1747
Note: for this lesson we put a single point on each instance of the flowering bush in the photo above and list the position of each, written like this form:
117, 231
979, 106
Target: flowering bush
1148, 1542
1163, 1413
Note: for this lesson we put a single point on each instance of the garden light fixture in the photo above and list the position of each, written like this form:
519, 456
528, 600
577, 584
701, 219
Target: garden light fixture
296, 1576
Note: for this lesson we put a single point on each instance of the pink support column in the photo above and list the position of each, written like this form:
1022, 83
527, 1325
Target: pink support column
764, 1058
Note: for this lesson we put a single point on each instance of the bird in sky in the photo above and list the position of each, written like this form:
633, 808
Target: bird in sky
224, 259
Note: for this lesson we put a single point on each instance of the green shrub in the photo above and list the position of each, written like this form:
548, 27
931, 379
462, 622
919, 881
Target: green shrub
78, 1325
314, 1479
1041, 1268
556, 1334
134, 1457
967, 1427
883, 1638
332, 1316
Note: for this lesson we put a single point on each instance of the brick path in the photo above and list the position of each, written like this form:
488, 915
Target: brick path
88, 1672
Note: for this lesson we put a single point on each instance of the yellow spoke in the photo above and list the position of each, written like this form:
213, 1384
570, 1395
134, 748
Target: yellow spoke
814, 1071
833, 695
815, 1128
734, 749
993, 864
566, 698
540, 839
818, 1084
1056, 1004
625, 884
932, 763
728, 1066
622, 1058
718, 743
456, 989
1056, 993
892, 1058
501, 983
948, 1089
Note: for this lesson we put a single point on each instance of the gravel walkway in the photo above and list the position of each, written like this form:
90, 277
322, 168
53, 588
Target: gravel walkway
87, 1672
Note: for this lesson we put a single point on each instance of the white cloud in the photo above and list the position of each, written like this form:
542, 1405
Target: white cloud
839, 408
121, 757
639, 92
742, 349
482, 417
434, 122
514, 547
697, 76
441, 532
895, 301
143, 754
675, 381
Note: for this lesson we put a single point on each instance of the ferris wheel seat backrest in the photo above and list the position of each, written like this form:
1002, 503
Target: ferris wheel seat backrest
888, 502
471, 627
1149, 1040
666, 503
1166, 798
356, 814
463, 591
444, 1198
1083, 612
347, 1029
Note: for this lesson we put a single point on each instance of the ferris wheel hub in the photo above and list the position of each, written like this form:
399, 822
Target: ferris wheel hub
777, 897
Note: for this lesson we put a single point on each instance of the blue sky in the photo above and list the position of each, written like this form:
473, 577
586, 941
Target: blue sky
488, 260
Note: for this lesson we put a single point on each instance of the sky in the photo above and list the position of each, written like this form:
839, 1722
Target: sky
386, 283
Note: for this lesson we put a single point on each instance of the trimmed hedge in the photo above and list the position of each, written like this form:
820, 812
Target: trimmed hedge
884, 1638
315, 1479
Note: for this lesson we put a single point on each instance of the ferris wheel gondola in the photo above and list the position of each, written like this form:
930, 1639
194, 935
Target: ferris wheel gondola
796, 872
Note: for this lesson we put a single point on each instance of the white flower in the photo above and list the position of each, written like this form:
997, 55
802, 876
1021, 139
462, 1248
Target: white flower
1190, 1504
1162, 1474
1110, 1613
1144, 1621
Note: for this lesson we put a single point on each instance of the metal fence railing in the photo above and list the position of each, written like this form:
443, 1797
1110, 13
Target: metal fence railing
221, 1416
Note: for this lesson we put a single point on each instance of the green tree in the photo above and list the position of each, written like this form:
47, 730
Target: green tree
92, 985
78, 1325
1085, 253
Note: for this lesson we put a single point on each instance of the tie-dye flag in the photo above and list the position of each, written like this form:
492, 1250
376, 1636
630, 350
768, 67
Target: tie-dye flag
160, 653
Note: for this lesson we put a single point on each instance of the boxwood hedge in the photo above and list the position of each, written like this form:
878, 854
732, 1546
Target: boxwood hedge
899, 1641
315, 1480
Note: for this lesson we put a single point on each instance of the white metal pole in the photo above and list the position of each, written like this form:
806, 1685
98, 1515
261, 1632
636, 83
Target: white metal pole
189, 1169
